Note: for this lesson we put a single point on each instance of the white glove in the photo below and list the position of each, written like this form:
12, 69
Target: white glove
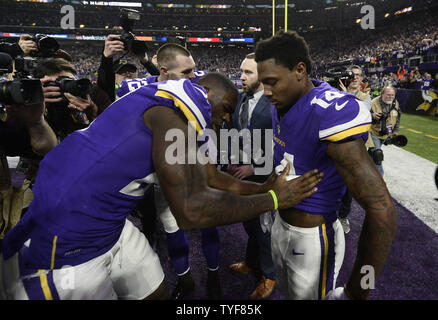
337, 294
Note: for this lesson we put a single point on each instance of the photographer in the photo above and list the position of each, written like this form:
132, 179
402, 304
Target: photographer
23, 133
108, 68
24, 47
386, 114
65, 112
353, 86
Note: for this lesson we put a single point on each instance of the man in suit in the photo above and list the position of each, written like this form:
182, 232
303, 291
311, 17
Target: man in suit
253, 112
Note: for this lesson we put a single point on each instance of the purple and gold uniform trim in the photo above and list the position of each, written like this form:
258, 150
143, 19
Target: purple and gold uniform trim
348, 133
40, 285
189, 114
327, 270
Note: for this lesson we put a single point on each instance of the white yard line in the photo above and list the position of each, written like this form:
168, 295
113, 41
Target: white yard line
410, 180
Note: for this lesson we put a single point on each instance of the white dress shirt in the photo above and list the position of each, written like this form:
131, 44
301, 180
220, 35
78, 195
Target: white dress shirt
252, 103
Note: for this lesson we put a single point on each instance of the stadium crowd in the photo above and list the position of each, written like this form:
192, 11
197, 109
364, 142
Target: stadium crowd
392, 43
389, 45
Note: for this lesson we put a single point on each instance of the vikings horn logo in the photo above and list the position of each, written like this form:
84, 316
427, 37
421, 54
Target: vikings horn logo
430, 102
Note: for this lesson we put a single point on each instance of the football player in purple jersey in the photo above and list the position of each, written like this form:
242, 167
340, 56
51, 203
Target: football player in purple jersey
175, 62
75, 241
317, 126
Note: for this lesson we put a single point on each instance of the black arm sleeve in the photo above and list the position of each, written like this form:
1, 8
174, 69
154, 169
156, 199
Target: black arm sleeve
106, 78
151, 68
13, 49
16, 142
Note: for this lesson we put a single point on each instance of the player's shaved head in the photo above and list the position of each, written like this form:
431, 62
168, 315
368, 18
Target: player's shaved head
222, 95
167, 53
218, 81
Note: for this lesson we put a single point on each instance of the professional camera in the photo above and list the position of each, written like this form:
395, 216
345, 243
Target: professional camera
377, 155
399, 140
47, 46
127, 21
19, 91
79, 88
24, 67
343, 74
5, 63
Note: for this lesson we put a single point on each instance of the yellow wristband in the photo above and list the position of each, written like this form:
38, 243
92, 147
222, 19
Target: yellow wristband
274, 197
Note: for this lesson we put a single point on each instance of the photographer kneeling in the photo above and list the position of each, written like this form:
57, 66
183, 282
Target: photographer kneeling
68, 108
24, 132
386, 114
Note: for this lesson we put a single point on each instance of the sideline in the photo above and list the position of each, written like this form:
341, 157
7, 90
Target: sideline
410, 180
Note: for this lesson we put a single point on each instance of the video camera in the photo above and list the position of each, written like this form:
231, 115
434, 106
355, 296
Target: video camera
47, 46
377, 154
80, 88
345, 75
398, 141
131, 44
21, 90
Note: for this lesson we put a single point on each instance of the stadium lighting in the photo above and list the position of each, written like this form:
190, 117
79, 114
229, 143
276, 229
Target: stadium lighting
358, 20
106, 27
387, 15
82, 26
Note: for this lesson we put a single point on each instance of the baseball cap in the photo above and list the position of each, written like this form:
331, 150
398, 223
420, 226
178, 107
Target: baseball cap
62, 54
122, 66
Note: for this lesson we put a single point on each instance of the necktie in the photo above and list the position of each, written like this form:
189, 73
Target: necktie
244, 113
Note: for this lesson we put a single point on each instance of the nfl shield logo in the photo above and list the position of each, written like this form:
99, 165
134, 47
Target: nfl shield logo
278, 129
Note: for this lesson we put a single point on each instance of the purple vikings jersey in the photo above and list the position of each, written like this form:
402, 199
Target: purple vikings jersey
87, 186
198, 75
427, 83
301, 138
133, 84
129, 85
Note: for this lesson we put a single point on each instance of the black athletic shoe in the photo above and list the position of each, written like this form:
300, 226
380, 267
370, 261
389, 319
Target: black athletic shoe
184, 287
214, 291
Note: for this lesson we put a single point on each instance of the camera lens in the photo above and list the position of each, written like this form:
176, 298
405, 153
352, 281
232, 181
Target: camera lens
47, 46
24, 92
79, 88
84, 86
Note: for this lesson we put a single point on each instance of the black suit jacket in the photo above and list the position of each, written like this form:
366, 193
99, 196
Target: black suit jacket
260, 119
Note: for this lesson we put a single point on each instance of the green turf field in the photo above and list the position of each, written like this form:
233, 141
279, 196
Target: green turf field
422, 134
